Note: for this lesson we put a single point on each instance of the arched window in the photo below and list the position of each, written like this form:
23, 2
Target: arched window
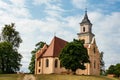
39, 70
94, 50
83, 29
47, 63
60, 65
94, 64
56, 63
39, 63
90, 65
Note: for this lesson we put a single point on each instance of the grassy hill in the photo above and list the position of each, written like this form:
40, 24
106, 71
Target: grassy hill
54, 77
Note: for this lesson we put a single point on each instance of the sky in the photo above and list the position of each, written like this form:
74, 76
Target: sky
41, 20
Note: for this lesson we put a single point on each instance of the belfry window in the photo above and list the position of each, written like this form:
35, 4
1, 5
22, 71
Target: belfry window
83, 29
56, 63
47, 63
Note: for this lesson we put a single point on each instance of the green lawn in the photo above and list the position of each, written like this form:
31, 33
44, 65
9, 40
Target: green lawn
11, 77
54, 77
71, 77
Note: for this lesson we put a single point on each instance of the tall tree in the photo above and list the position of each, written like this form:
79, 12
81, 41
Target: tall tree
74, 55
102, 64
9, 58
10, 41
11, 35
31, 67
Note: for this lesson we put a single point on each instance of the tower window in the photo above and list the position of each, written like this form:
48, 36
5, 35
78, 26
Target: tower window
39, 70
94, 50
47, 63
90, 65
60, 65
83, 29
39, 63
56, 63
94, 64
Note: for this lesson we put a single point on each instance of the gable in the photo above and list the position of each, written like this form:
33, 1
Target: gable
55, 47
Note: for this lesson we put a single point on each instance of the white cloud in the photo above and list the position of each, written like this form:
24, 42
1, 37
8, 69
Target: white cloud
46, 2
20, 3
112, 1
52, 7
81, 4
106, 29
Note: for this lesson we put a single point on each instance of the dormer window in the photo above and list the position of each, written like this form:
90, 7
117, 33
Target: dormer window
83, 29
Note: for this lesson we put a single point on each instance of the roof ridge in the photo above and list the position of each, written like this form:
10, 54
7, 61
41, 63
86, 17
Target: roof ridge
54, 48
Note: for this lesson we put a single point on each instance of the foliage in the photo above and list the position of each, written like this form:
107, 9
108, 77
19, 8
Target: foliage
32, 63
114, 69
102, 64
74, 55
9, 56
9, 34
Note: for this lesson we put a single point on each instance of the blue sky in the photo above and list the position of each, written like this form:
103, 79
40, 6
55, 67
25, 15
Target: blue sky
38, 20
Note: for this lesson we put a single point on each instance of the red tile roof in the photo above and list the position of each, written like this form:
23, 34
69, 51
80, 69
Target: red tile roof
53, 50
40, 52
55, 47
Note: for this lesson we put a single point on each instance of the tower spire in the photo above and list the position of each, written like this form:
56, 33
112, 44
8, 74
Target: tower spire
85, 10
85, 19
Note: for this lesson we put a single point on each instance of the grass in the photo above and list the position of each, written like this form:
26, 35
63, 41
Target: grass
54, 77
11, 76
71, 77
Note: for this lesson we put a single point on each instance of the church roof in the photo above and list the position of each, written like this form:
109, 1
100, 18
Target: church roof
85, 19
40, 52
54, 48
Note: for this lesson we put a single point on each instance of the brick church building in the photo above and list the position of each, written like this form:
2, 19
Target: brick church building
47, 61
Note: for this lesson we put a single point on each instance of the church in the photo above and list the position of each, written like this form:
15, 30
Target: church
47, 61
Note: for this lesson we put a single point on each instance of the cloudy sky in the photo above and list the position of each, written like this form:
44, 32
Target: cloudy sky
39, 20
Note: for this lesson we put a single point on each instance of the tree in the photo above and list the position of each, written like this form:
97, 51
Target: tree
9, 34
102, 64
111, 69
31, 67
74, 56
117, 70
10, 41
114, 69
9, 58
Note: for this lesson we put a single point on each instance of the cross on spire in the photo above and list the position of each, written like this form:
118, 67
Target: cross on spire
85, 19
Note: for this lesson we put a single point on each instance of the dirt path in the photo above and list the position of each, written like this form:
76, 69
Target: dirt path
29, 77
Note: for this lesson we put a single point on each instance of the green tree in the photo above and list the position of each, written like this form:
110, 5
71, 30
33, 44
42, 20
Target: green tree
102, 64
31, 67
117, 70
9, 58
12, 58
74, 56
114, 69
111, 69
9, 34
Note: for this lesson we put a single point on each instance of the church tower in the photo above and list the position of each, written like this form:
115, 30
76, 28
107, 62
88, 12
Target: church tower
86, 30
92, 68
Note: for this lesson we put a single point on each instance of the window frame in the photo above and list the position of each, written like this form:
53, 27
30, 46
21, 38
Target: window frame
56, 63
47, 62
